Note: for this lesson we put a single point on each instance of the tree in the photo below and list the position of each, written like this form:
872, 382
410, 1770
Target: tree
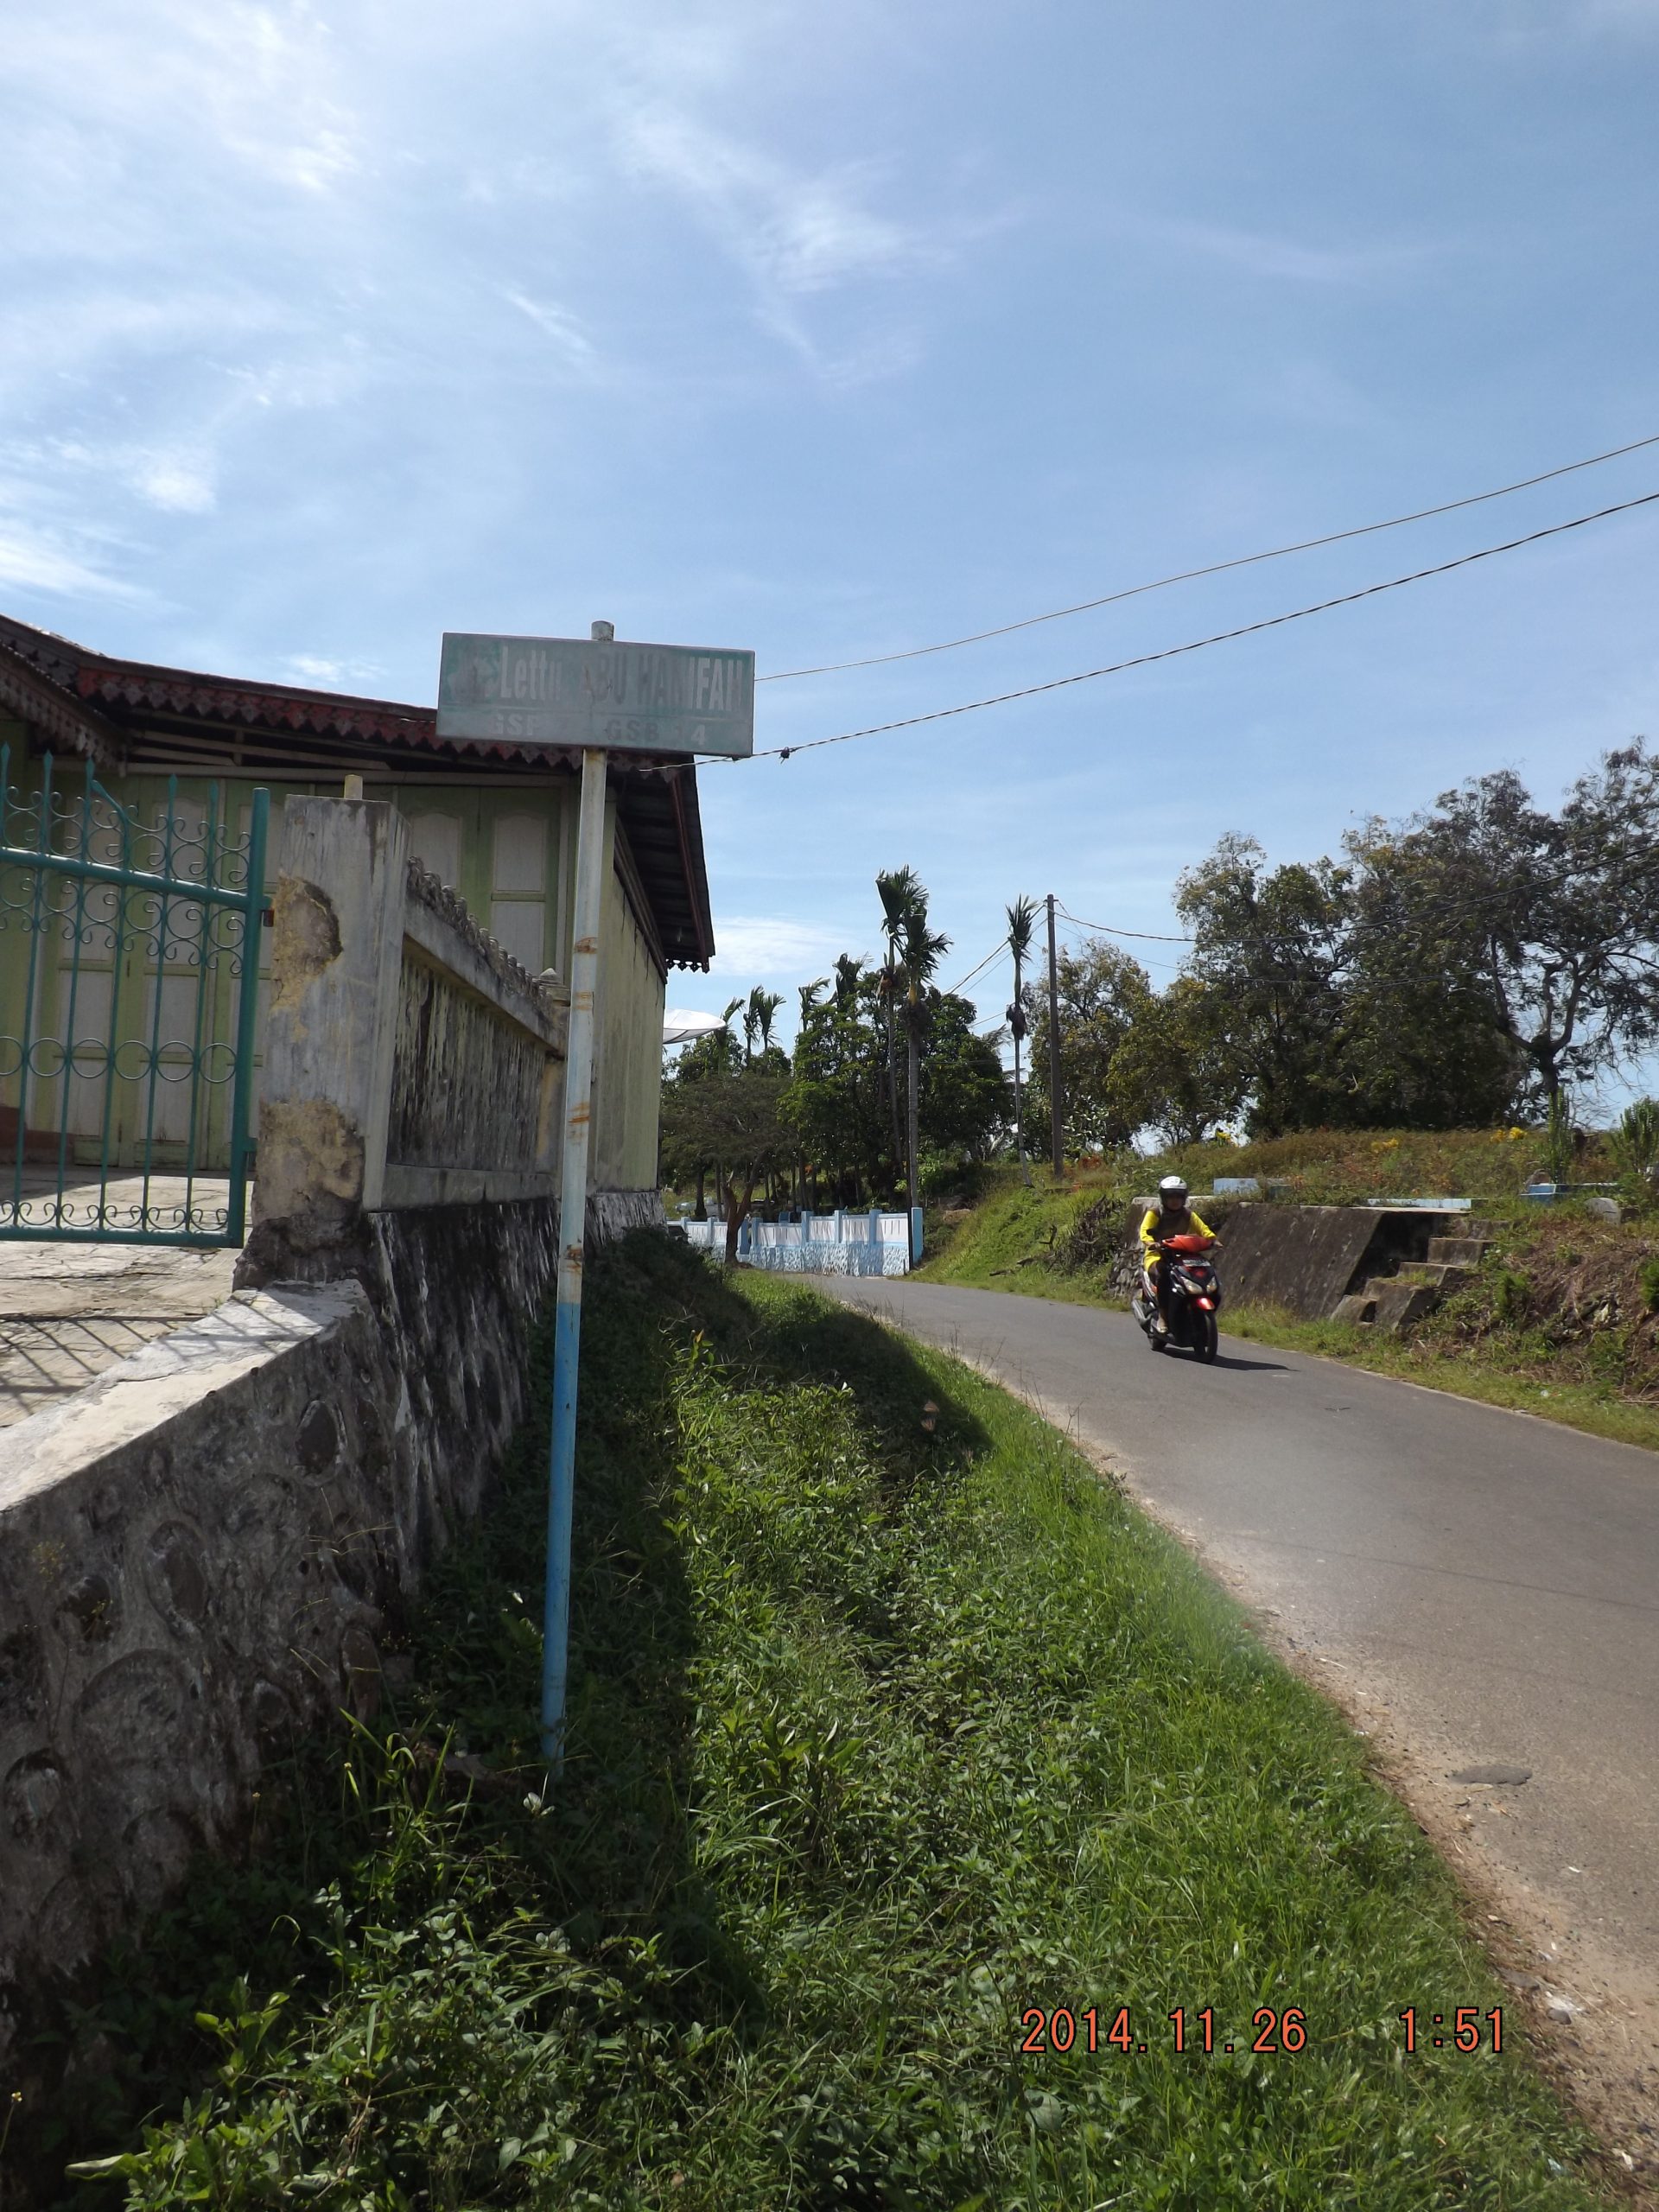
964, 1089
837, 1102
921, 950
1270, 947
1102, 996
897, 890
734, 1119
758, 1018
1177, 1069
707, 1056
1022, 921
1424, 1043
1556, 916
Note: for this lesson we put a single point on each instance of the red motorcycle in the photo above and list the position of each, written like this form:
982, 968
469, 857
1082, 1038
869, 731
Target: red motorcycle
1192, 1297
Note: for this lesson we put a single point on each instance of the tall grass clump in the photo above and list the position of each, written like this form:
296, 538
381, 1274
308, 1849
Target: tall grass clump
1634, 1143
888, 1725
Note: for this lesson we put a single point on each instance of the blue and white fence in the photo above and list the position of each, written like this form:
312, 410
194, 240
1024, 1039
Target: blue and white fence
822, 1245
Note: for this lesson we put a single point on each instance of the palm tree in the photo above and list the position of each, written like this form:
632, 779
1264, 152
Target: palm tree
899, 889
725, 1044
808, 995
849, 973
1022, 923
921, 950
761, 1014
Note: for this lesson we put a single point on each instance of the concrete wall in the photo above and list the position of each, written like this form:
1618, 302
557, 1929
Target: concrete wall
409, 1060
1303, 1258
201, 1553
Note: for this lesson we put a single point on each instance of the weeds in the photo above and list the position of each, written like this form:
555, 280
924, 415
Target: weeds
887, 1726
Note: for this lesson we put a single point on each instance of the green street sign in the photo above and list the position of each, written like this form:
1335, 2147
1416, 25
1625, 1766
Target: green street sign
577, 691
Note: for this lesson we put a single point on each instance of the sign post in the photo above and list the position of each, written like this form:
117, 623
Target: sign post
573, 1213
600, 697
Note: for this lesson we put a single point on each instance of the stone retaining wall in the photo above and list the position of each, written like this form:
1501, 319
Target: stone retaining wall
202, 1553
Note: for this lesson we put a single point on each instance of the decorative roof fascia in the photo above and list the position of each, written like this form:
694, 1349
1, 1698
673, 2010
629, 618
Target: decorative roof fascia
36, 700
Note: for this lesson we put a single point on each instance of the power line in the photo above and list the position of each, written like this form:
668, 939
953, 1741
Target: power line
1152, 937
1199, 644
1430, 913
997, 952
1214, 568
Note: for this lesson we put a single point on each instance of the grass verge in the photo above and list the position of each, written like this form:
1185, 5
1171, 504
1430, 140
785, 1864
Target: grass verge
888, 1725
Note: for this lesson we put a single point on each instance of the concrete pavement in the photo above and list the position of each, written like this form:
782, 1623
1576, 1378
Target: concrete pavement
67, 1311
1478, 1587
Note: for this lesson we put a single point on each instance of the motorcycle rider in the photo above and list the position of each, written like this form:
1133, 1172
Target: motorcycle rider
1171, 1217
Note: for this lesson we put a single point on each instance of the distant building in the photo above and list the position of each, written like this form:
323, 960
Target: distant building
494, 820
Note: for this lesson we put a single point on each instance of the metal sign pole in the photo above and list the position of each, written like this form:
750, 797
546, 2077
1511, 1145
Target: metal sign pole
601, 696
573, 1209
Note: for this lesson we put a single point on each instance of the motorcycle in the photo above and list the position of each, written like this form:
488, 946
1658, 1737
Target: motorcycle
1191, 1296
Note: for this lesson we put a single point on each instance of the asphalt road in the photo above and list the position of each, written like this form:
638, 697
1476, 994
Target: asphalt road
1483, 1585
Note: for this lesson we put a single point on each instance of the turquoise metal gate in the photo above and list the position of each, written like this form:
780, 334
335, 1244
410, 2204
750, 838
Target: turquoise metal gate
129, 1010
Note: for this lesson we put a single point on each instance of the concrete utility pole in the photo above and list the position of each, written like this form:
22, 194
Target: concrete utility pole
1055, 1104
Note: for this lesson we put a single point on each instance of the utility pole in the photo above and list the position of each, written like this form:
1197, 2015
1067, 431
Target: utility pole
1055, 1104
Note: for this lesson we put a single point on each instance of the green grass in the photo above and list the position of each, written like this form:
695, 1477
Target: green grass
882, 1733
1008, 1232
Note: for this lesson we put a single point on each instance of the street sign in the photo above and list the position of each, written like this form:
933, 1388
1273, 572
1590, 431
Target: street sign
603, 692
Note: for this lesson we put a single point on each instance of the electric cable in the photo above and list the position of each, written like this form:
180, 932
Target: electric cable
1214, 568
995, 952
1431, 912
1196, 644
1152, 937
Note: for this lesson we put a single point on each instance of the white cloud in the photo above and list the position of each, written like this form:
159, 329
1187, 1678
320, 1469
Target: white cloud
1260, 255
177, 483
324, 674
798, 235
255, 80
569, 337
765, 948
35, 559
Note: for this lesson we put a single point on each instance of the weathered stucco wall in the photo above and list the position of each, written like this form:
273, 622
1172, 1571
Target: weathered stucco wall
628, 1063
203, 1551
409, 1059
477, 1068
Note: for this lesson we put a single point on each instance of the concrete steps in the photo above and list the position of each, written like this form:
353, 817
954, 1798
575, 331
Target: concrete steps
1417, 1287
1466, 1251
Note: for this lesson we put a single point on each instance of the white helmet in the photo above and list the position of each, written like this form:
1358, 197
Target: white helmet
1172, 1191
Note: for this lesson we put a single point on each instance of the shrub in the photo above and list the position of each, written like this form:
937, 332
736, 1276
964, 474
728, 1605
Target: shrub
1635, 1138
1650, 1279
1511, 1295
1560, 1154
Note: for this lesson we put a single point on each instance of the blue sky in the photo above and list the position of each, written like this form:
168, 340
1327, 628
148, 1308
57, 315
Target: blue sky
832, 332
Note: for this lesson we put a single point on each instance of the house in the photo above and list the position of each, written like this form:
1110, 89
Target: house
181, 753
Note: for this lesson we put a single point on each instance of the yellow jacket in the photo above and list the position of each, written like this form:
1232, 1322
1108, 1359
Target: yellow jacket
1152, 1233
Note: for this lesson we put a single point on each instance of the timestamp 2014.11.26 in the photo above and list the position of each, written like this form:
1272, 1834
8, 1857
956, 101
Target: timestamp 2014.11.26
1093, 2029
